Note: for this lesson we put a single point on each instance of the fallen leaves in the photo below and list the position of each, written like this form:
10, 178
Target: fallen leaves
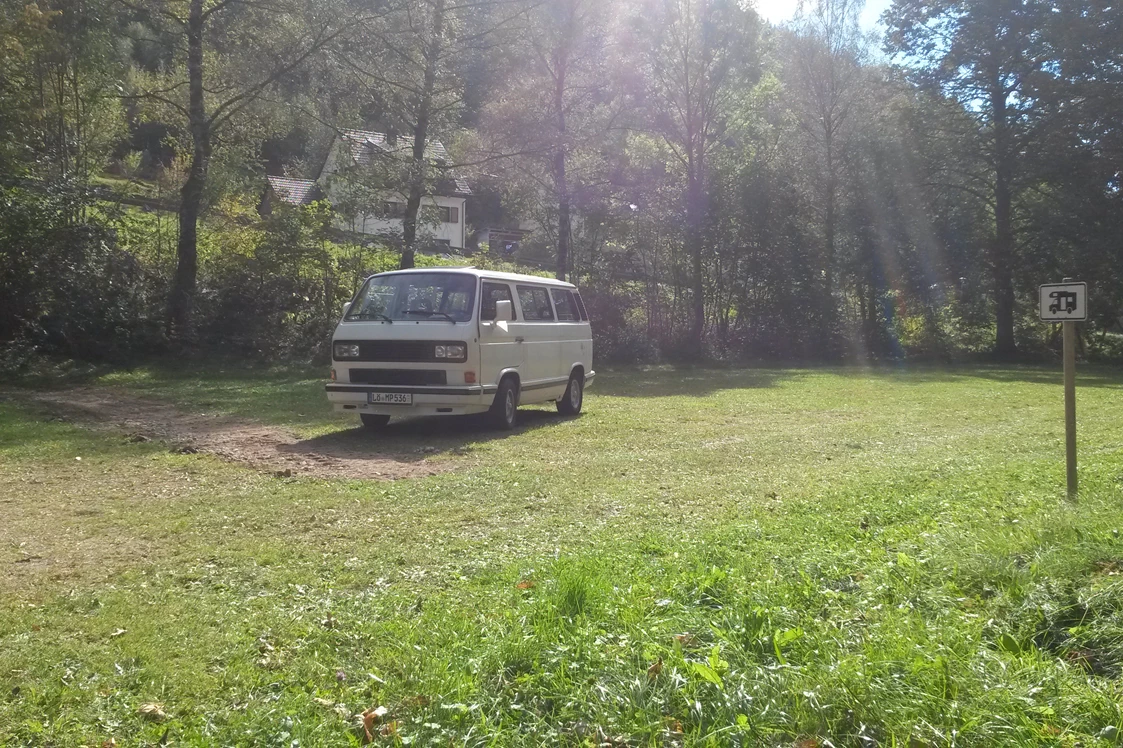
270, 658
655, 669
153, 711
1110, 568
610, 741
339, 708
370, 721
525, 584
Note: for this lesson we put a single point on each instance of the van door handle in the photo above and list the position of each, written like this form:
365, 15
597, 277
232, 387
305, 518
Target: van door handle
519, 339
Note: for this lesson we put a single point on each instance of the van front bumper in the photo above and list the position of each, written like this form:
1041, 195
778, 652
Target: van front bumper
453, 400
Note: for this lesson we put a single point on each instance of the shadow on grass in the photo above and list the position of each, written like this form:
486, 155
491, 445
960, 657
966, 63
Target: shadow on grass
672, 381
1087, 375
414, 439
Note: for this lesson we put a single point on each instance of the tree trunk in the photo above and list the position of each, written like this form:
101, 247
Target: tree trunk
829, 232
421, 137
695, 212
565, 228
182, 300
565, 221
1002, 254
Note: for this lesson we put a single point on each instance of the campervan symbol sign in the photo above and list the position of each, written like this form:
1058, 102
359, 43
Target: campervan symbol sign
1064, 302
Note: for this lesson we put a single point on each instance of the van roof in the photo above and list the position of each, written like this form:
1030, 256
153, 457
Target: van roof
486, 274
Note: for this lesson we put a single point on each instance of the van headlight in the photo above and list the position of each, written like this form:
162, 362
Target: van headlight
346, 350
451, 352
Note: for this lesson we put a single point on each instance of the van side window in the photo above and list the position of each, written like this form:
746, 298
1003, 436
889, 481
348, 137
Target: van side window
535, 303
580, 306
494, 292
563, 300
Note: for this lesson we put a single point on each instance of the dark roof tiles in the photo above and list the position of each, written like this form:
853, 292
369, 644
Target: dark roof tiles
294, 191
362, 143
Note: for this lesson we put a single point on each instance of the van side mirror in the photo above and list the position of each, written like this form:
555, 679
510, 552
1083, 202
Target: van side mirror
346, 308
504, 312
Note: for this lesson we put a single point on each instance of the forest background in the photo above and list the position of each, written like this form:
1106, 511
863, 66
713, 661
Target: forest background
721, 187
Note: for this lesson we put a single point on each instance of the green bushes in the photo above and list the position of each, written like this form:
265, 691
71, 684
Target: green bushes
65, 285
85, 280
81, 280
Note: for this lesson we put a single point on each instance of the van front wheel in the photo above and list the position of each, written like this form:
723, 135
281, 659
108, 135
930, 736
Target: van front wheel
374, 421
505, 408
570, 403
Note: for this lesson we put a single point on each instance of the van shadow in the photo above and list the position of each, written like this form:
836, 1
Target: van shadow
415, 439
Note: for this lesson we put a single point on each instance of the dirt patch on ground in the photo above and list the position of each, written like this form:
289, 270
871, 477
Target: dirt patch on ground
347, 454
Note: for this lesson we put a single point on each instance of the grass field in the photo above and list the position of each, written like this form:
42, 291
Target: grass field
763, 557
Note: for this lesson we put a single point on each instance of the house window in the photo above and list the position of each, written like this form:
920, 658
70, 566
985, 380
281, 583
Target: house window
448, 214
394, 209
563, 300
535, 303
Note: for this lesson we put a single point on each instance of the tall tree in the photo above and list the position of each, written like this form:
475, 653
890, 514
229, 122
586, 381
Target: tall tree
554, 106
59, 67
412, 65
1077, 214
233, 52
827, 55
696, 57
978, 52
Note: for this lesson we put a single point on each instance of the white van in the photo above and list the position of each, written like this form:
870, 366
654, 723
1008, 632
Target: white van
448, 341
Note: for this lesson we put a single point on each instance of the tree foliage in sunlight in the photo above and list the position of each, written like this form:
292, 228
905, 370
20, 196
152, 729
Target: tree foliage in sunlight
721, 187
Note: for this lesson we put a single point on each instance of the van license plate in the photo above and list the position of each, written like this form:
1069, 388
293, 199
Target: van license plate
389, 398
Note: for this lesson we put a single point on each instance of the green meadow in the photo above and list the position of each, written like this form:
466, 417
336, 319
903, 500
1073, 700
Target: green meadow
776, 557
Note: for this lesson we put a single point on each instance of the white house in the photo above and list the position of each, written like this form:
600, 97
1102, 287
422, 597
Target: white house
441, 221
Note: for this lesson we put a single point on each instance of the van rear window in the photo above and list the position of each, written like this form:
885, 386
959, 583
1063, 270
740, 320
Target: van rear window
563, 301
580, 306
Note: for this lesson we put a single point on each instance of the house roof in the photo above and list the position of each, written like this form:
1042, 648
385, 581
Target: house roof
363, 142
294, 191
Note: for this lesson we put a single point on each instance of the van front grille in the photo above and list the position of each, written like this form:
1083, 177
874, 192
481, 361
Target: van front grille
405, 377
393, 351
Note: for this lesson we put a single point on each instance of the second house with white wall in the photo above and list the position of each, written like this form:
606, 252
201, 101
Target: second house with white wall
441, 222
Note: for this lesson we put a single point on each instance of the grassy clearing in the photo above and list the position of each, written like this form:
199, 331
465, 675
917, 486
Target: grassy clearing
704, 558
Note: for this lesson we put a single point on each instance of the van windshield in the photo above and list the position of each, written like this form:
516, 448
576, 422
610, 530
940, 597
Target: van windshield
416, 296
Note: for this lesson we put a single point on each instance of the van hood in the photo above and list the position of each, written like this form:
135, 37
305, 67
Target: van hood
404, 330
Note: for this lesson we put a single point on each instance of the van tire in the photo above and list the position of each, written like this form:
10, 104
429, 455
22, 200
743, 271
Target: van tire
504, 409
574, 397
374, 421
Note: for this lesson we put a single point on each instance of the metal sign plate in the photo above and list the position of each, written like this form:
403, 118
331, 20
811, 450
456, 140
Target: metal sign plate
1064, 302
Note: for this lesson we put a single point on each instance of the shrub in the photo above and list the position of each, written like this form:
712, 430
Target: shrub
65, 286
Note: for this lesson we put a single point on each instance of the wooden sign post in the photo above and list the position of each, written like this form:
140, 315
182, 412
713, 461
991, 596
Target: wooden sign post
1067, 303
1070, 405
